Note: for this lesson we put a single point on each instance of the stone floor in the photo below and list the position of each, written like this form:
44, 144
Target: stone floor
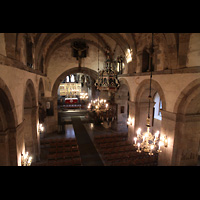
77, 124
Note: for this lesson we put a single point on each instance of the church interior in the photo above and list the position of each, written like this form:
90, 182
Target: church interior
99, 99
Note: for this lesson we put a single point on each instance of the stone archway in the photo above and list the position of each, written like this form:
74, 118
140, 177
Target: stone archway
90, 72
187, 134
122, 98
30, 121
52, 121
8, 122
141, 101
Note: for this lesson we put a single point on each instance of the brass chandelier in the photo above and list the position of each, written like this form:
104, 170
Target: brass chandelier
107, 79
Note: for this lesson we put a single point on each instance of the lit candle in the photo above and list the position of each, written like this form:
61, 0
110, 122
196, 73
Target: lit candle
132, 121
159, 145
138, 148
143, 138
152, 146
156, 134
165, 142
135, 139
138, 132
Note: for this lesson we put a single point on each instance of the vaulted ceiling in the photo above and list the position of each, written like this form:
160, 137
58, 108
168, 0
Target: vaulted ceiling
47, 43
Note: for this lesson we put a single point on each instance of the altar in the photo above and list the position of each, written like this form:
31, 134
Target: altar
71, 100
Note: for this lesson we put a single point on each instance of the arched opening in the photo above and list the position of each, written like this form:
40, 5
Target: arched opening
157, 116
30, 121
187, 134
145, 61
41, 102
8, 146
122, 101
75, 91
83, 78
156, 105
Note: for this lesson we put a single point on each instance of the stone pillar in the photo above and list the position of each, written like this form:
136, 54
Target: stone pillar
183, 134
168, 127
186, 145
132, 115
4, 148
28, 132
51, 120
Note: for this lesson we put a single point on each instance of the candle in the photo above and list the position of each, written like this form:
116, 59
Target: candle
139, 148
135, 139
138, 132
152, 146
159, 145
156, 134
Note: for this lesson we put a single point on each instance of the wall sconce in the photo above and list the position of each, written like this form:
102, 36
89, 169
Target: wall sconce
26, 160
130, 121
41, 128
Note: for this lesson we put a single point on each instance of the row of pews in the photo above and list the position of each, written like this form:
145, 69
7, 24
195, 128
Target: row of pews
60, 152
116, 150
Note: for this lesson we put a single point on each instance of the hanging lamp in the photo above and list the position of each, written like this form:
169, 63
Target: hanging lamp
107, 79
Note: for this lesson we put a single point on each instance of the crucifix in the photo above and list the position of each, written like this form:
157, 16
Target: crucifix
80, 51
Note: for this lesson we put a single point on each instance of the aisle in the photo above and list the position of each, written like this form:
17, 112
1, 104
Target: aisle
89, 154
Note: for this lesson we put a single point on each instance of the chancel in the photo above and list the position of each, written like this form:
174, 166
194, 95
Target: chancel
99, 99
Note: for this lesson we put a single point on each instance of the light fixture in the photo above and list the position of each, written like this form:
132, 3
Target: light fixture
83, 96
100, 111
98, 105
149, 143
130, 121
146, 141
41, 128
26, 160
107, 79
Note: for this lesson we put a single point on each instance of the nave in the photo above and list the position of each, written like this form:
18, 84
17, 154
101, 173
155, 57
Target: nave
81, 142
148, 81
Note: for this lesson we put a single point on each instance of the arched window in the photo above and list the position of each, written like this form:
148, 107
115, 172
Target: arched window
145, 61
29, 54
72, 78
157, 107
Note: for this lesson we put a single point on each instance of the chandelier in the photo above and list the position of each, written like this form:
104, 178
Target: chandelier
98, 105
146, 141
83, 96
107, 79
26, 160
